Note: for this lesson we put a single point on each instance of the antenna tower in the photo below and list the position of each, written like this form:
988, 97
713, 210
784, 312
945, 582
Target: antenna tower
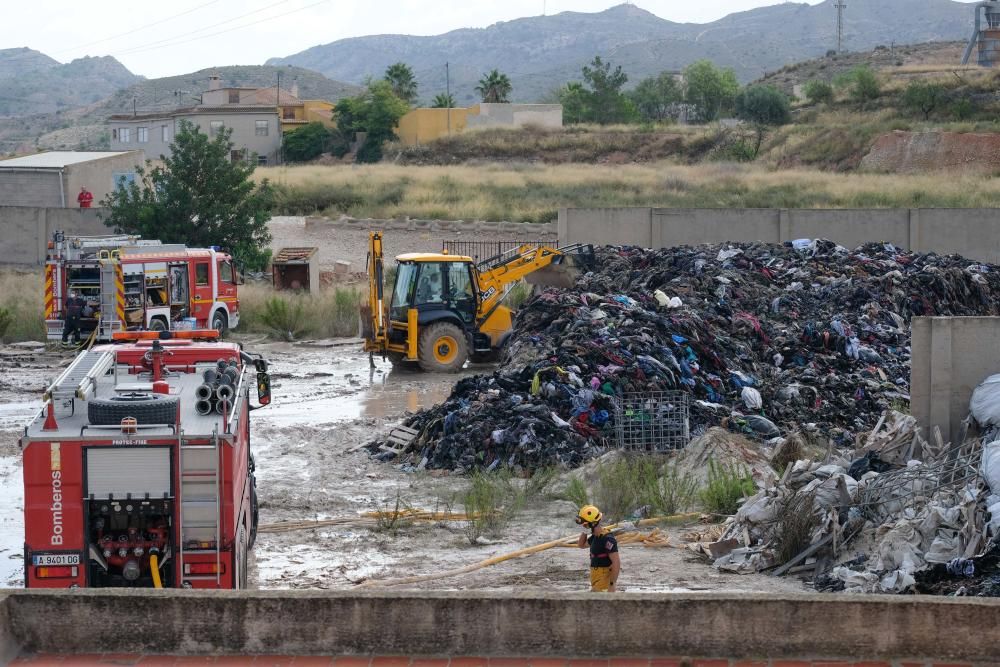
841, 6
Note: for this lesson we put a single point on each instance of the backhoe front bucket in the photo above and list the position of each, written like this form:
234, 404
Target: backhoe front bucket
562, 273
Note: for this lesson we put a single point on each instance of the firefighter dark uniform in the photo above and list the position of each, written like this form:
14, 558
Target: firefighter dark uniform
74, 309
601, 548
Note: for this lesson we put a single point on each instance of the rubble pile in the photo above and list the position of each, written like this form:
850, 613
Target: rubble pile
763, 337
904, 515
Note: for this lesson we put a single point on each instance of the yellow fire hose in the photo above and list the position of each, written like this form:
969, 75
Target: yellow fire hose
563, 541
154, 568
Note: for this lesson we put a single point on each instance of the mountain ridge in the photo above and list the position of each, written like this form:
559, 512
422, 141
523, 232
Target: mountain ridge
543, 52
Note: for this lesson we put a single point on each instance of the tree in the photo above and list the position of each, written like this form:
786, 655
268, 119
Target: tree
819, 92
655, 98
607, 104
575, 100
400, 77
763, 107
377, 112
709, 88
864, 84
312, 140
495, 88
443, 101
199, 197
923, 96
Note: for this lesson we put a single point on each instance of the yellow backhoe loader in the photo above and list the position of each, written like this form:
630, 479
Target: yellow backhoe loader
445, 309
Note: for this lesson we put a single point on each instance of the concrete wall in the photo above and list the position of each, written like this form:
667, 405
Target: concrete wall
515, 115
98, 176
498, 624
421, 126
159, 133
950, 357
974, 233
25, 231
243, 137
32, 187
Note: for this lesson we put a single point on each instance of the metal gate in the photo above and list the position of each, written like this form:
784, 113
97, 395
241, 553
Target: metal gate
653, 420
484, 251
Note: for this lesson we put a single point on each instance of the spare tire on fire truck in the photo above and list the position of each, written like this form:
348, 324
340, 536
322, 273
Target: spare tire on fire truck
145, 408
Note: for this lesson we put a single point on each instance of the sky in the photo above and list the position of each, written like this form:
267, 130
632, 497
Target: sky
160, 38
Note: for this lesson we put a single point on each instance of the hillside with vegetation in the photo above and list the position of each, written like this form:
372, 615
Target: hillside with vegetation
540, 53
34, 83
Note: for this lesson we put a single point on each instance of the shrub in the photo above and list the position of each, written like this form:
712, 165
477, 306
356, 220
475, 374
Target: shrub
923, 97
284, 317
794, 527
962, 109
576, 493
490, 503
666, 488
6, 317
819, 92
391, 518
727, 485
865, 87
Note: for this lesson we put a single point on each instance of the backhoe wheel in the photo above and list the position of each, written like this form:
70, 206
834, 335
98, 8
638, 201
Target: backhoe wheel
443, 348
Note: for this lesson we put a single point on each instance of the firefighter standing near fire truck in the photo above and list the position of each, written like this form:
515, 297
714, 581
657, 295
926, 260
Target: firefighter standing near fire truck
74, 309
605, 563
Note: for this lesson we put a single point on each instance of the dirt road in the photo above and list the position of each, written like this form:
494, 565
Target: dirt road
327, 401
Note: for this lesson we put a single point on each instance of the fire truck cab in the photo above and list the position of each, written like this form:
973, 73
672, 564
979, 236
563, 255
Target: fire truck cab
133, 284
138, 470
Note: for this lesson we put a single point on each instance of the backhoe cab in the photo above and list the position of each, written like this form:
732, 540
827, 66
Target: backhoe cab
446, 309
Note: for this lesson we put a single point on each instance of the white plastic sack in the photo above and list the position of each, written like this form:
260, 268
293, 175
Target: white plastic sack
985, 402
751, 398
661, 298
728, 254
990, 467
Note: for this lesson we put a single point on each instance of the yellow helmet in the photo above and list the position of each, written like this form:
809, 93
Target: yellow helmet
588, 514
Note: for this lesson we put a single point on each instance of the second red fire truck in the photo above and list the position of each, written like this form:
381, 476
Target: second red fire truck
133, 284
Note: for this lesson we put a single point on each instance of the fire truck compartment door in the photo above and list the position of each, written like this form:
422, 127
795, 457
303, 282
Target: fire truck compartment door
124, 470
156, 270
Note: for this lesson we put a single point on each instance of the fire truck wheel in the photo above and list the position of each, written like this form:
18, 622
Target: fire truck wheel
145, 408
443, 348
157, 324
220, 323
254, 514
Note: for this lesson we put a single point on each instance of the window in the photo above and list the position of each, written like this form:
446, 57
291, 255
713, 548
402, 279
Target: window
238, 155
430, 287
123, 179
402, 294
234, 97
214, 127
201, 274
125, 135
165, 134
226, 272
260, 128
288, 113
262, 160
142, 135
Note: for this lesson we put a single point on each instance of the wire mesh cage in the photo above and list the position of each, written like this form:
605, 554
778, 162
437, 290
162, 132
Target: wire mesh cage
654, 421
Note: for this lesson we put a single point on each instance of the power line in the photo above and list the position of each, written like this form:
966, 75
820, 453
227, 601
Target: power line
154, 45
142, 27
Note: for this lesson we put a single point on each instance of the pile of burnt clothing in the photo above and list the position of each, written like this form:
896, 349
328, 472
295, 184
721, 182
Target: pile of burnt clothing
762, 337
813, 335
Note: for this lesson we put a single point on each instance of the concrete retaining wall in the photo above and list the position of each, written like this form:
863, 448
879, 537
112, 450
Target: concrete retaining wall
26, 230
478, 624
950, 357
974, 233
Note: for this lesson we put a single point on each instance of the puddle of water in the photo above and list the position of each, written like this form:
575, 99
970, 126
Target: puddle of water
342, 387
14, 416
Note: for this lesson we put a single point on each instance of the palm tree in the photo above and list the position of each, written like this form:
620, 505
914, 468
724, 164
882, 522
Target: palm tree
400, 77
443, 101
494, 87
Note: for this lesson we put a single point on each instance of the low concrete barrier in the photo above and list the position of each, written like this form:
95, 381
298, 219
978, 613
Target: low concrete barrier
805, 627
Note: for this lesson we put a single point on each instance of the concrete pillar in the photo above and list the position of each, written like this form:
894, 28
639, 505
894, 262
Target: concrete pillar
941, 380
914, 235
784, 225
43, 234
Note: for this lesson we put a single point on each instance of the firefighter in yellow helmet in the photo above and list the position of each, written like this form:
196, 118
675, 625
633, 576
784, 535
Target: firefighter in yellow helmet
605, 563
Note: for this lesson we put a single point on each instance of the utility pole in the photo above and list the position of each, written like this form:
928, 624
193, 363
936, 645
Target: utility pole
841, 6
543, 7
447, 84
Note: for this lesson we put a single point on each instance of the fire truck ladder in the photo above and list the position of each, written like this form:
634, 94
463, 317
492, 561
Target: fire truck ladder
201, 504
111, 317
79, 380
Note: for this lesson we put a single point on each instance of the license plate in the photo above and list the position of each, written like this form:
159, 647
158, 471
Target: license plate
56, 559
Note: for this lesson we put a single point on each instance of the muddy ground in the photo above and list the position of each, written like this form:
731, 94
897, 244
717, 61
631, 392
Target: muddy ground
327, 402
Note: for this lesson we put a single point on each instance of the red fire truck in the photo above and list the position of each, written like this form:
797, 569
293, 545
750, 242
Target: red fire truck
138, 471
133, 284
